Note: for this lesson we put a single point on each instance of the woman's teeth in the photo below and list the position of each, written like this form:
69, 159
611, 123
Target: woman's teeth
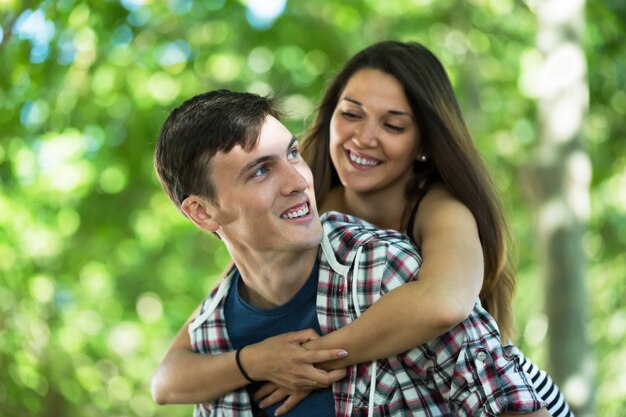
362, 161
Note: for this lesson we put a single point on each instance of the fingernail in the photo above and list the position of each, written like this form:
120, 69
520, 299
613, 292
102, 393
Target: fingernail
342, 354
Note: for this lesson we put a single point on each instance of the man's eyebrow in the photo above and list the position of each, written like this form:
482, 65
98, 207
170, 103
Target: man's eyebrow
291, 142
394, 112
254, 163
263, 159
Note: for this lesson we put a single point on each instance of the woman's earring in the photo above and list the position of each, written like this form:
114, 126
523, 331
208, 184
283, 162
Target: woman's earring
423, 158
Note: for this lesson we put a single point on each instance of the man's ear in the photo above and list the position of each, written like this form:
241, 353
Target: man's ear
201, 212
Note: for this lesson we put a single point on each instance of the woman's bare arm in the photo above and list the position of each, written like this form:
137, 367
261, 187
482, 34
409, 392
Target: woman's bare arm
449, 282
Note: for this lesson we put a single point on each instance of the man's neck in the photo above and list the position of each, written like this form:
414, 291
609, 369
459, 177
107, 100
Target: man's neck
271, 280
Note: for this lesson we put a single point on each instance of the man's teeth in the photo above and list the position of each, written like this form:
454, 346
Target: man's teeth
362, 161
298, 213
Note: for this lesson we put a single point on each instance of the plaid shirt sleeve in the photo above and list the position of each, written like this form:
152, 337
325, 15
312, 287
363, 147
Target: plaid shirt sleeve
482, 378
210, 337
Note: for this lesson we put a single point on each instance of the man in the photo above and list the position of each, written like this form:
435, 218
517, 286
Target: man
234, 170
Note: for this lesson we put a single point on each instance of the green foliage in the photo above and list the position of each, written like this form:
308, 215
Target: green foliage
98, 270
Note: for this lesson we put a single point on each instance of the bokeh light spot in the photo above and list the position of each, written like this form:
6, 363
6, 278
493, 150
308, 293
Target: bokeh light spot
261, 14
536, 329
163, 88
142, 405
124, 339
113, 179
89, 322
34, 113
39, 242
298, 107
225, 68
42, 288
33, 26
88, 378
7, 257
260, 60
179, 7
120, 389
173, 53
70, 338
132, 4
96, 280
290, 57
149, 308
79, 16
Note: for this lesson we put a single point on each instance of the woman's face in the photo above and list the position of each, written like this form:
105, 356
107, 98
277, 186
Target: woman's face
373, 136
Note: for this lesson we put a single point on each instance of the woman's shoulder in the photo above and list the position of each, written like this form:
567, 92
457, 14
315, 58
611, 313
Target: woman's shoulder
439, 197
438, 206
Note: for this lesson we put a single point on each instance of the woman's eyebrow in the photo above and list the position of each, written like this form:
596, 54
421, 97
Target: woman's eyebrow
394, 112
351, 100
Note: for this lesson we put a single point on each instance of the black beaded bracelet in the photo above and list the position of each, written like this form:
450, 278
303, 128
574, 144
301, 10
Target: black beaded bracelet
240, 366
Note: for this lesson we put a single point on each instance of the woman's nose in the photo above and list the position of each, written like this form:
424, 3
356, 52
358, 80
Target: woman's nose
365, 136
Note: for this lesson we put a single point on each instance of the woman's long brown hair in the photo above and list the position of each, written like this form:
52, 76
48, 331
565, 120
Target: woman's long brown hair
453, 157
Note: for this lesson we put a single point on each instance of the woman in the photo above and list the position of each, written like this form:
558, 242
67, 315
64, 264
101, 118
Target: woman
390, 145
392, 169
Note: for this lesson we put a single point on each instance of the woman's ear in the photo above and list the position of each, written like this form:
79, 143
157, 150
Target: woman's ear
200, 212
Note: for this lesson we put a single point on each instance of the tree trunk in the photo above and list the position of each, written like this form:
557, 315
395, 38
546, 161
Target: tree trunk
562, 174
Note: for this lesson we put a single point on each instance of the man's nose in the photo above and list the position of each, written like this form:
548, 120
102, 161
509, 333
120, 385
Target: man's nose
293, 180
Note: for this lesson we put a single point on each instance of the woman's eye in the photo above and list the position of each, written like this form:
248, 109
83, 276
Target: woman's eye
395, 128
348, 115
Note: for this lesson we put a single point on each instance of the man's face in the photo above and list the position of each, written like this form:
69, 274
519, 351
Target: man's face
265, 197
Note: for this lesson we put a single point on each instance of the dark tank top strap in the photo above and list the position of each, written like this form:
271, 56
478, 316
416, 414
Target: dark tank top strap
420, 196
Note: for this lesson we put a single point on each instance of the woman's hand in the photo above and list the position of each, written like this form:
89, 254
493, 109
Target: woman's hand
270, 394
281, 359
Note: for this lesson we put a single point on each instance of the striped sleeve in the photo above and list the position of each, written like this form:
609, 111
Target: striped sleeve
546, 389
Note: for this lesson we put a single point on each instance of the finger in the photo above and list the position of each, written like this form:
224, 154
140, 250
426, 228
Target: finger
323, 379
303, 336
323, 355
337, 374
275, 397
265, 390
291, 402
312, 382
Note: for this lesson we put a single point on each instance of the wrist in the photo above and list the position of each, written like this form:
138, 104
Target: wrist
242, 368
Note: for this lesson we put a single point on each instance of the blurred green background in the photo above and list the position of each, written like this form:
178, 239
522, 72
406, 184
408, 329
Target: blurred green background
97, 268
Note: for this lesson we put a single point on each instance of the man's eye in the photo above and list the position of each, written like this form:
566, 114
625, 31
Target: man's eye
293, 153
259, 172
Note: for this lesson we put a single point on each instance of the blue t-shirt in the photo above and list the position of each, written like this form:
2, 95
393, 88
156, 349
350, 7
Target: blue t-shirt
247, 324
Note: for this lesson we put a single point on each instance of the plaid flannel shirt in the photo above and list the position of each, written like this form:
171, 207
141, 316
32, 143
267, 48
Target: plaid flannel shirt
464, 372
